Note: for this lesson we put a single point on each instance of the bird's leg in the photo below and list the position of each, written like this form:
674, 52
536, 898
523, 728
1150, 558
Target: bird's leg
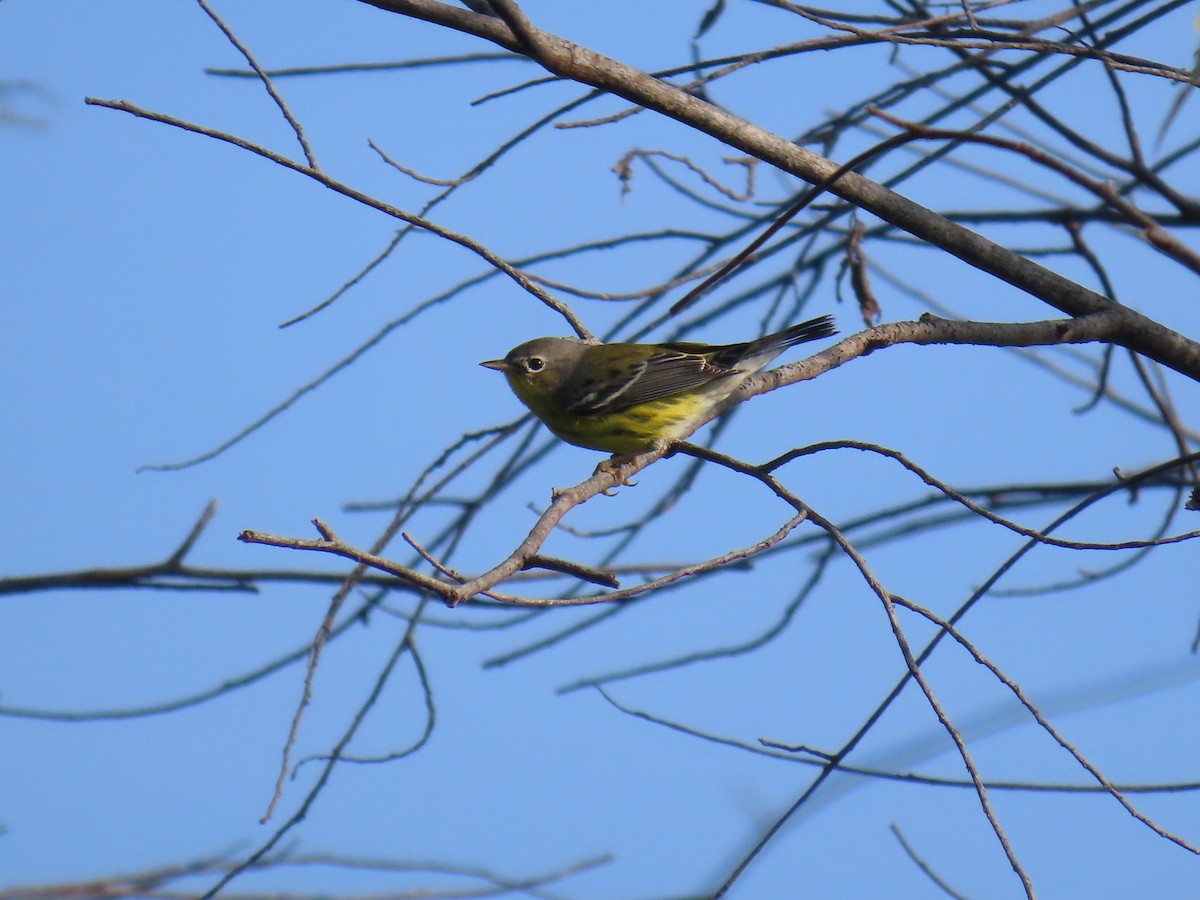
615, 465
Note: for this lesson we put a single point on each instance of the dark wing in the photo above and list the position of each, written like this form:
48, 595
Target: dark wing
666, 373
596, 388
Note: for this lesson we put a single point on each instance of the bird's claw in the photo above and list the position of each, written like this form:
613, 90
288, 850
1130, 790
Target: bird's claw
614, 466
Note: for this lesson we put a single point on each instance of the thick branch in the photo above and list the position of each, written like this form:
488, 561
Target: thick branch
585, 66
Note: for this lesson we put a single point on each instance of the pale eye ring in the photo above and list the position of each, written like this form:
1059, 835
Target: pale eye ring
535, 364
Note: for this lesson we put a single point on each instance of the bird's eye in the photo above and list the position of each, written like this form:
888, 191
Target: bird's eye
535, 364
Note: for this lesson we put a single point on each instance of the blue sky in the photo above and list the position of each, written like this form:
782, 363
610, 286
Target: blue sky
145, 272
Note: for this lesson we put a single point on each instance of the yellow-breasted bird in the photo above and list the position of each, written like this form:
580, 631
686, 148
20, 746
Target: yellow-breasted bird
623, 398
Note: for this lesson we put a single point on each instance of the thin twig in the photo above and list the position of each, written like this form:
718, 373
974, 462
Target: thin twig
267, 83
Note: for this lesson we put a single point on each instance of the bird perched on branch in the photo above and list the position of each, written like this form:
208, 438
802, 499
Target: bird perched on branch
624, 398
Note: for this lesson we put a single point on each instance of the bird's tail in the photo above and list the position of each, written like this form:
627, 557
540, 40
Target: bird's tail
821, 326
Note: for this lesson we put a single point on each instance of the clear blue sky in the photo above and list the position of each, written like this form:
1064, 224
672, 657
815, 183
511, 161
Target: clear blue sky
144, 272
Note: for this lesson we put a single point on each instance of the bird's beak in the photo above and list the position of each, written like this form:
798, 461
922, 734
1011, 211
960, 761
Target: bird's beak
498, 364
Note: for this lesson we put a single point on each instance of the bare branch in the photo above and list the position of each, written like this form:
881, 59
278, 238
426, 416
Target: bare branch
266, 80
580, 64
358, 196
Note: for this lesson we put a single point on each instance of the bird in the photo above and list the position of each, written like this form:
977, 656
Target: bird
625, 398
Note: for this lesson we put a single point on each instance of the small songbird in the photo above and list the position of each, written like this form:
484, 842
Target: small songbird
624, 398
